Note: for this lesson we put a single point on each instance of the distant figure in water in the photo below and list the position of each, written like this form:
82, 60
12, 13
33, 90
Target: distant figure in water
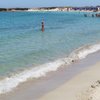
42, 29
85, 15
97, 15
92, 15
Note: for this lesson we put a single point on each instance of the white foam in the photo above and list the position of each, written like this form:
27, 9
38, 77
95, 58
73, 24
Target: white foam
88, 50
9, 83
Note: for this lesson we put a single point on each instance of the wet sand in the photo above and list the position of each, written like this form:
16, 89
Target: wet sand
68, 82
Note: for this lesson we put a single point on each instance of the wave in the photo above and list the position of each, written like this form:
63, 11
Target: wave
9, 83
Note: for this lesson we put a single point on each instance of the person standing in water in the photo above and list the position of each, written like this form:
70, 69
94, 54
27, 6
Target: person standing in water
42, 28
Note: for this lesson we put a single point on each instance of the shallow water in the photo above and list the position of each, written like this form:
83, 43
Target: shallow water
22, 44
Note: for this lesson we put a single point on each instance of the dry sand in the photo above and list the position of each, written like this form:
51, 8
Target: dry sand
81, 87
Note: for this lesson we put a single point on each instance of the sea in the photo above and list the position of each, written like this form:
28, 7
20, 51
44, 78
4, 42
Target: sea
26, 52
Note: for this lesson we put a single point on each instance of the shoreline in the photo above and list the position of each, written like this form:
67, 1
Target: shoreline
13, 81
87, 11
81, 87
35, 89
53, 9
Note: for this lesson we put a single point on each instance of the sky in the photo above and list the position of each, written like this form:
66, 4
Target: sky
46, 3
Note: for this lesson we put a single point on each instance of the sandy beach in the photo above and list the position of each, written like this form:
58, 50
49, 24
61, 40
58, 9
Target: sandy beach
81, 87
76, 82
84, 86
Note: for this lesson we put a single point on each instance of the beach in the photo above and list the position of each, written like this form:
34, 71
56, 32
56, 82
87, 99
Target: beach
34, 63
72, 83
49, 50
85, 86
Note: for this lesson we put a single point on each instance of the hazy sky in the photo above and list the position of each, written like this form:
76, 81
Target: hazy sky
39, 3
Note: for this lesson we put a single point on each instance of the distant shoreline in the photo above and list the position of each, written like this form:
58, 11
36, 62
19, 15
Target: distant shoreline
80, 9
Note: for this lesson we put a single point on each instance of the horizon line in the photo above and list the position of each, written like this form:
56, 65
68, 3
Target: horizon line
51, 6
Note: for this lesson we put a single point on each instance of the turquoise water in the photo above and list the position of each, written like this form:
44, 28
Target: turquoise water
26, 52
23, 45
